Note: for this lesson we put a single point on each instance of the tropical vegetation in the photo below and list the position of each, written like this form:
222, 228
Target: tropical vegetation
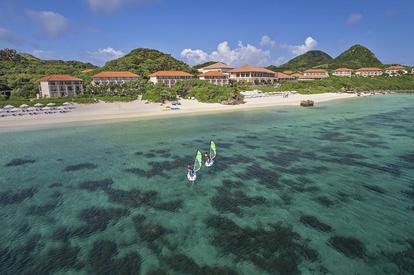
342, 84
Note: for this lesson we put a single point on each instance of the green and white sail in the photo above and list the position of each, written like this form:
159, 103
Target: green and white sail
213, 150
198, 161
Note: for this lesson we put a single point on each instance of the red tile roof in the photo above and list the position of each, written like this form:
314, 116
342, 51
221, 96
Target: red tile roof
315, 71
115, 74
59, 77
170, 73
251, 69
369, 69
218, 65
343, 70
213, 73
395, 68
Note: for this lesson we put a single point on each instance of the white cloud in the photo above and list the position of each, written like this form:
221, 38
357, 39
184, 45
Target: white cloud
354, 19
51, 23
309, 44
108, 6
267, 41
9, 37
103, 55
240, 55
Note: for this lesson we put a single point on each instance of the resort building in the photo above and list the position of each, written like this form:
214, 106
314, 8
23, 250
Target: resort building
396, 70
249, 73
284, 77
217, 67
412, 70
59, 86
365, 72
113, 77
169, 78
313, 74
343, 72
217, 78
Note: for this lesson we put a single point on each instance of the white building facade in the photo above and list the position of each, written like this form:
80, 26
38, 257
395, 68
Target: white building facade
113, 77
54, 86
369, 72
169, 78
343, 72
251, 74
216, 78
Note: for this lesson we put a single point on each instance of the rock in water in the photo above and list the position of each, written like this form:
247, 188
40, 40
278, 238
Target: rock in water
307, 103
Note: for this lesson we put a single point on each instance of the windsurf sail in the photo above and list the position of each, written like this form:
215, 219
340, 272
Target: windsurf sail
213, 151
198, 161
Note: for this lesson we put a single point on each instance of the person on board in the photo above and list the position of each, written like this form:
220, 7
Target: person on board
207, 157
190, 169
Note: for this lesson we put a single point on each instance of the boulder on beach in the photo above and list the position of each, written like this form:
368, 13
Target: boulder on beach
307, 103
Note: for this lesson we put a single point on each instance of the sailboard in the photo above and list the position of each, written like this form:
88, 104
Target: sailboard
196, 167
212, 154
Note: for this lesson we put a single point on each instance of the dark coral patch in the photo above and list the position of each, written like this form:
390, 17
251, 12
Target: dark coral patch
226, 200
171, 206
313, 222
148, 231
375, 188
101, 260
184, 264
60, 258
19, 162
41, 210
409, 194
276, 248
98, 219
349, 246
80, 166
404, 259
11, 197
94, 185
325, 201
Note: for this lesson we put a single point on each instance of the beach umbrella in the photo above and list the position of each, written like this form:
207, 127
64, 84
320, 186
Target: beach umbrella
14, 110
46, 109
24, 106
31, 109
38, 105
66, 104
51, 104
8, 107
60, 108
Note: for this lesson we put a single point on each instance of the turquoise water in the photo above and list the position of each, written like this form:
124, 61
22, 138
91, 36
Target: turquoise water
328, 190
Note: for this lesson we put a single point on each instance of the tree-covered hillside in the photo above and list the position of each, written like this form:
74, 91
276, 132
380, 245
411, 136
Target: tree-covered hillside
308, 60
21, 71
356, 57
146, 61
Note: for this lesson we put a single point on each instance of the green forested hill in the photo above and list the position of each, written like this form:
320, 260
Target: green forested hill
146, 61
356, 57
308, 60
21, 71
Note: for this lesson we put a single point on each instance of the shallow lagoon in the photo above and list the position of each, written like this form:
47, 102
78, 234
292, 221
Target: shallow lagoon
328, 190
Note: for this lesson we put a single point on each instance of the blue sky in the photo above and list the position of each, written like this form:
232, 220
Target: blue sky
260, 32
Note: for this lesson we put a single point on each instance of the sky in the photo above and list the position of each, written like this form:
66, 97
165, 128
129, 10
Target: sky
260, 32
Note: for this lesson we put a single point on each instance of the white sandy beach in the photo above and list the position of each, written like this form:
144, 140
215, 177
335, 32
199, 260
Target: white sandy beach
138, 109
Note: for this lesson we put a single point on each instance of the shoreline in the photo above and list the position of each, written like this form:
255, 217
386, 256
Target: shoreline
138, 110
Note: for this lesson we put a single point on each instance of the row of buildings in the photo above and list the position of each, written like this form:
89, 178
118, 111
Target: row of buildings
313, 74
218, 74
